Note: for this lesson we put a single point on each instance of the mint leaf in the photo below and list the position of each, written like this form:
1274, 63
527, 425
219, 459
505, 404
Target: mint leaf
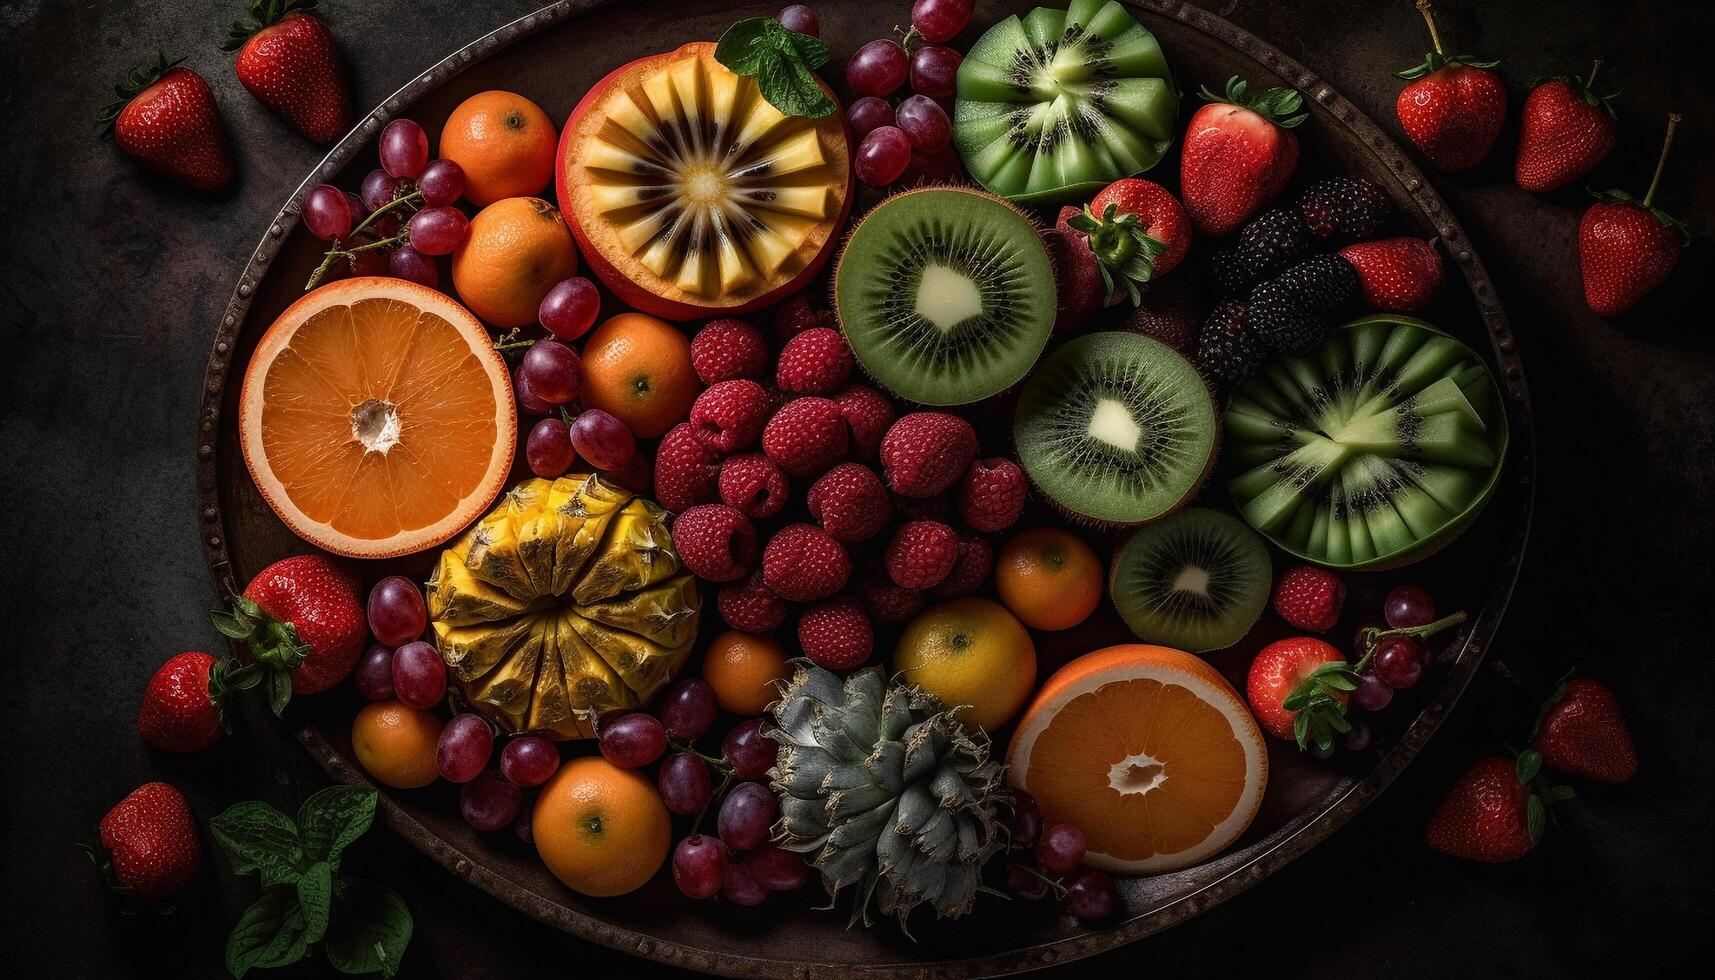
791, 88
810, 50
370, 928
332, 818
745, 44
270, 933
315, 899
257, 837
782, 63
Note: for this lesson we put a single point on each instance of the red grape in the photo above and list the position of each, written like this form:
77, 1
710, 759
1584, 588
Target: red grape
438, 231
529, 760
419, 675
548, 449
878, 68
327, 212
938, 20
1372, 693
740, 887
375, 672
778, 869
528, 402
570, 308
750, 753
1408, 605
409, 264
925, 123
465, 746
553, 371
441, 183
1397, 662
1359, 738
746, 814
603, 440
687, 709
396, 612
684, 783
882, 156
632, 741
404, 148
699, 866
1061, 848
489, 802
523, 825
1090, 895
935, 71
866, 114
1026, 823
1024, 883
799, 19
370, 263
378, 188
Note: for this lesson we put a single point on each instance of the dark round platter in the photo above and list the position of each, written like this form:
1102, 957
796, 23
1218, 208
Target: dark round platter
552, 56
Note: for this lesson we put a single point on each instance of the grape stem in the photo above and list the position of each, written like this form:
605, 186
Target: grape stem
336, 252
726, 780
1053, 882
1373, 636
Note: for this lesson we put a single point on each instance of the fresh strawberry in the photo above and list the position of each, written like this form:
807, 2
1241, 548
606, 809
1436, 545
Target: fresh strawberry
185, 703
1582, 733
1309, 598
1396, 274
288, 60
1079, 289
301, 617
166, 120
1239, 152
1137, 231
1490, 814
1627, 247
1565, 130
1453, 109
149, 842
1297, 689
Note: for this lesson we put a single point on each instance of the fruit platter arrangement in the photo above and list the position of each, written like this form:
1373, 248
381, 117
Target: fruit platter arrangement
962, 511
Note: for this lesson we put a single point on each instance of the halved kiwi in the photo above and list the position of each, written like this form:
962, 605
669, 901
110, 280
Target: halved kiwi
946, 294
1116, 428
1195, 581
1061, 103
1371, 451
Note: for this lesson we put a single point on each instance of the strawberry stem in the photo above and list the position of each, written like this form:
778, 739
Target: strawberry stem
1673, 119
1595, 66
1423, 7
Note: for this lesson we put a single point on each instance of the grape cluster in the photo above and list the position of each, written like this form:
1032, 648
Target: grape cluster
1392, 656
1052, 861
735, 862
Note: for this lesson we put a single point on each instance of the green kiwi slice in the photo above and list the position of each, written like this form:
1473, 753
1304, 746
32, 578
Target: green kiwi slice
1195, 581
1116, 429
945, 294
1060, 103
1371, 451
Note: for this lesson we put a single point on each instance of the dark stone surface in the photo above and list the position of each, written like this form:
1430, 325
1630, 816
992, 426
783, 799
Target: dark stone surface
110, 283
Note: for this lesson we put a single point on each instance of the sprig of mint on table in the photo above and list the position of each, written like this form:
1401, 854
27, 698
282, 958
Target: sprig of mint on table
783, 63
363, 926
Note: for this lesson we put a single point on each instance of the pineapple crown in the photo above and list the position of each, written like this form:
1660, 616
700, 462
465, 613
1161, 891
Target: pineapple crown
885, 790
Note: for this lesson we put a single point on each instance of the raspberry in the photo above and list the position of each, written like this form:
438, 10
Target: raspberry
685, 470
921, 554
815, 362
835, 634
936, 508
1309, 598
868, 414
725, 350
795, 316
888, 604
991, 494
970, 569
753, 485
806, 436
750, 607
803, 563
729, 416
850, 502
924, 453
715, 542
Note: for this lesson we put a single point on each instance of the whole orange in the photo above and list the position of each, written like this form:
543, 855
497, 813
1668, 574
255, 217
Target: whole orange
742, 669
639, 369
1048, 578
504, 142
971, 653
600, 829
517, 250
396, 743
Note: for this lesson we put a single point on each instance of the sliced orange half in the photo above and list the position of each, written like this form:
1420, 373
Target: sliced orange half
1149, 751
376, 418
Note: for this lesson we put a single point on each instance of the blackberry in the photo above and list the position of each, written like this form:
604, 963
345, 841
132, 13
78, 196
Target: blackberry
1289, 312
1344, 209
1227, 352
1226, 274
1269, 242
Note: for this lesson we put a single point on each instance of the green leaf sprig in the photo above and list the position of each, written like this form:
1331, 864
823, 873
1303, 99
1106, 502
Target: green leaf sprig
1124, 250
363, 926
783, 63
